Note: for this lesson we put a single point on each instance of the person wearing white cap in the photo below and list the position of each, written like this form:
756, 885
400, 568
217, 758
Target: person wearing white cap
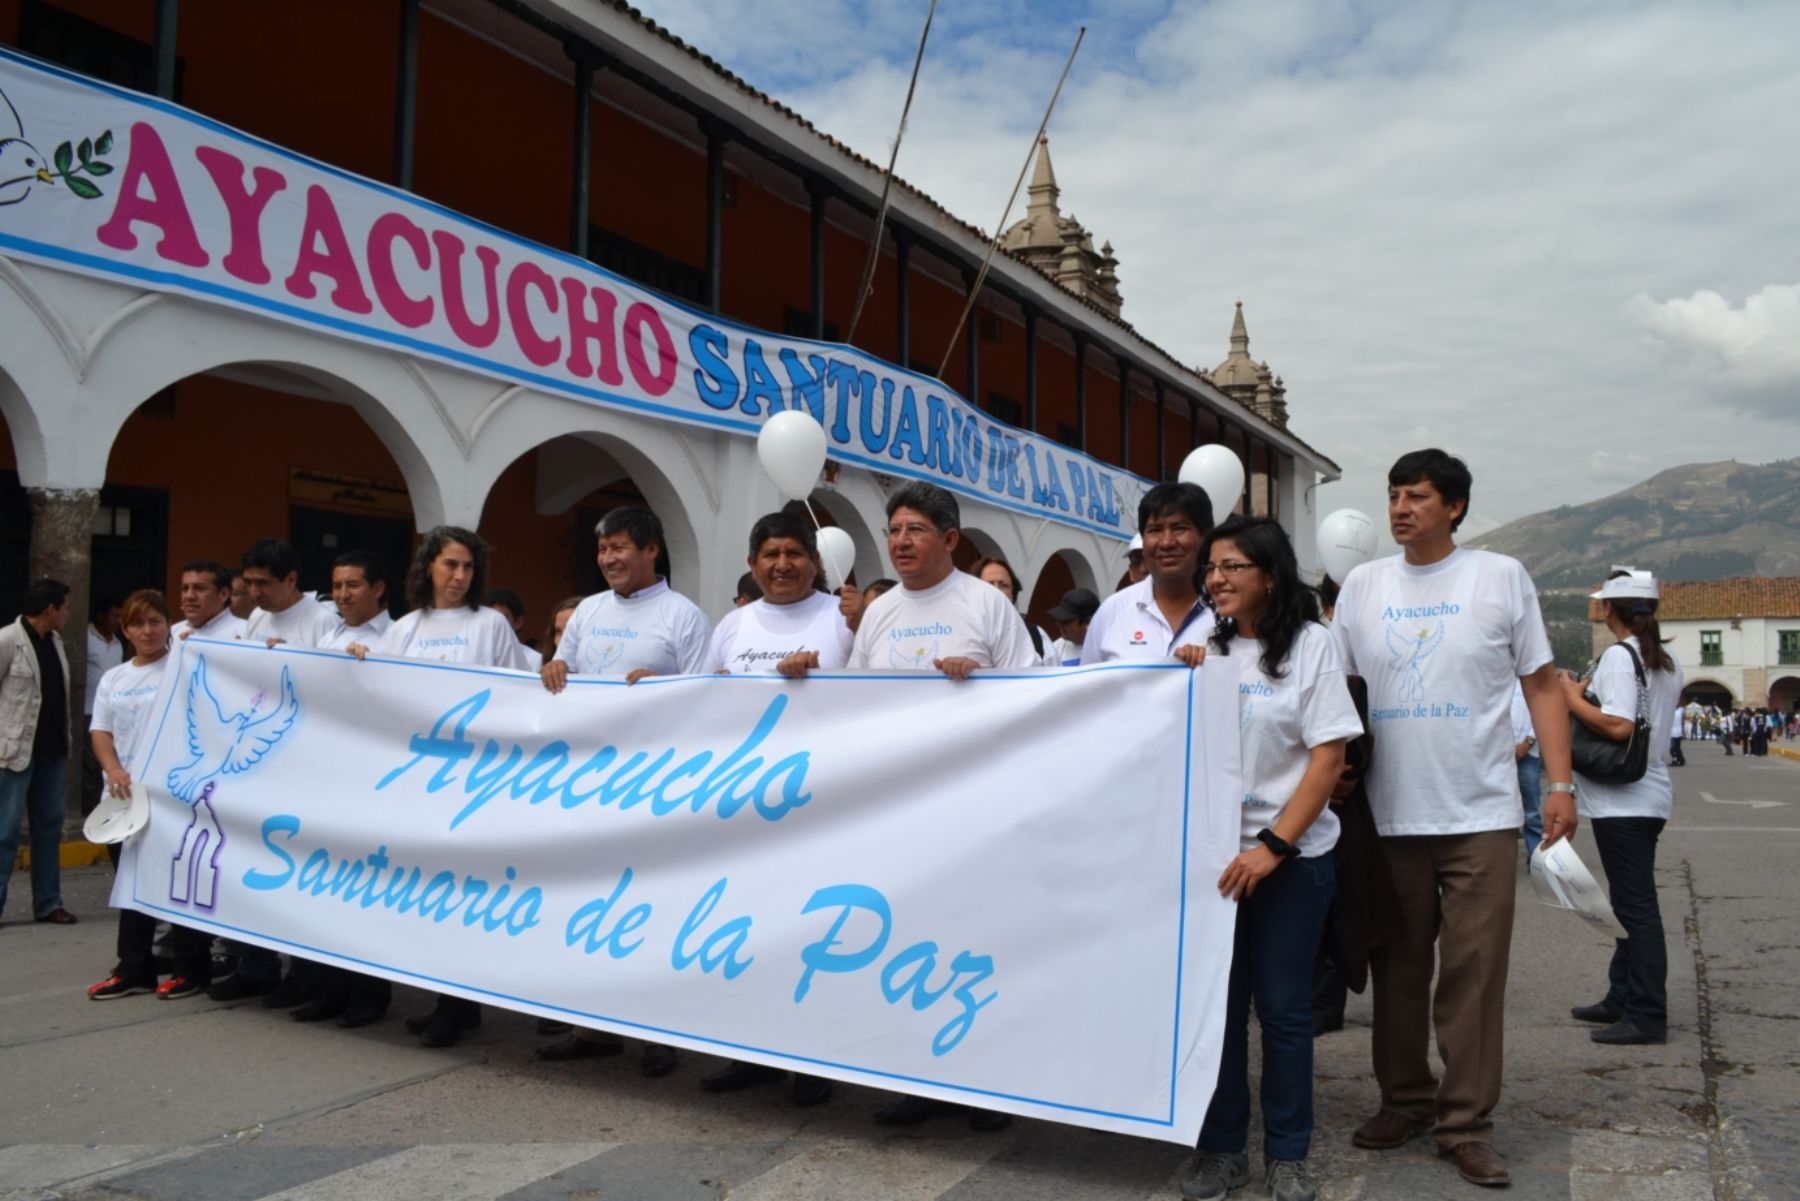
1628, 818
1135, 567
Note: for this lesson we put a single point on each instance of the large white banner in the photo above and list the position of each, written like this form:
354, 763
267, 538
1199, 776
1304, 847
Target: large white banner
997, 891
113, 183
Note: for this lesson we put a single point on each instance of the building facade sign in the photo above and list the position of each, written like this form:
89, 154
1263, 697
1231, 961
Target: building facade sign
735, 864
311, 486
135, 189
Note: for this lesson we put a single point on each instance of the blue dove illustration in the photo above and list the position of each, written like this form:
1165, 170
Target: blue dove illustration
21, 163
224, 744
1411, 647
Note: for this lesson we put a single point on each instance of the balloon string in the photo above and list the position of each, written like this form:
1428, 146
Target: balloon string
843, 576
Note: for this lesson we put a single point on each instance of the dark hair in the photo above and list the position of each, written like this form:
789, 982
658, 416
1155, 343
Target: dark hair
42, 594
547, 644
418, 576
783, 525
748, 588
1638, 614
102, 604
635, 520
982, 564
212, 567
278, 558
1328, 591
1443, 471
513, 602
1291, 603
881, 586
1189, 500
370, 565
144, 599
936, 504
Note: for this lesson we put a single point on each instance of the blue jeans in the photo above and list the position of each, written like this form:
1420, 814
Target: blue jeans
1531, 778
1272, 963
35, 794
1637, 979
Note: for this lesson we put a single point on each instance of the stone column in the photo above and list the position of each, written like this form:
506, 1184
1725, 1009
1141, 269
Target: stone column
62, 536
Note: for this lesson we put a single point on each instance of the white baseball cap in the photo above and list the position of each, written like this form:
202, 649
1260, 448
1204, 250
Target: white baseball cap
1629, 584
1135, 546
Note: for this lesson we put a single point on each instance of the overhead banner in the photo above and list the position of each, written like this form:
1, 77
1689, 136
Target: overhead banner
117, 184
997, 891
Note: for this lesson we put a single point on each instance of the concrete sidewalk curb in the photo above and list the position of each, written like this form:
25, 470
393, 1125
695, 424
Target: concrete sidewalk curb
76, 854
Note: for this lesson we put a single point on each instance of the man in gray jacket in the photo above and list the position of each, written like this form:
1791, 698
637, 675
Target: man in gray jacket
34, 743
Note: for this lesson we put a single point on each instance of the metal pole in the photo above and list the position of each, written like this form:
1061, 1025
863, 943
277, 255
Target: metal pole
715, 214
1031, 408
166, 13
818, 260
583, 156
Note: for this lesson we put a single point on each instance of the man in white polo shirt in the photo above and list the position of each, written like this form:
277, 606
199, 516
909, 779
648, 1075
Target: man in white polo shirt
206, 603
1164, 615
939, 619
638, 627
1440, 633
359, 593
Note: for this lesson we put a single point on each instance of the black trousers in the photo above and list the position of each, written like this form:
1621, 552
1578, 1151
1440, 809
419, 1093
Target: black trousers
137, 955
1639, 975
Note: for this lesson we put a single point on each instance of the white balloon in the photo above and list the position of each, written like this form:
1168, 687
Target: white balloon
792, 449
1219, 473
837, 550
1346, 540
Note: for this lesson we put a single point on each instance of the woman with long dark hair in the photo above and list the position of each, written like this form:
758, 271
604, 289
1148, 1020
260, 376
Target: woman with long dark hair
445, 583
1294, 715
1629, 818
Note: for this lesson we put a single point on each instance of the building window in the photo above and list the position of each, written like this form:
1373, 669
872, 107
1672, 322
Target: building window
1789, 648
90, 48
1068, 435
1712, 648
1005, 408
798, 323
622, 256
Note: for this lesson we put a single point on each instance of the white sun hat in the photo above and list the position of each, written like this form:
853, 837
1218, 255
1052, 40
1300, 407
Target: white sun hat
116, 818
1632, 584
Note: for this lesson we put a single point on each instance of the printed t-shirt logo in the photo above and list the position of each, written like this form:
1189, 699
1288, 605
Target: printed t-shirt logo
1412, 644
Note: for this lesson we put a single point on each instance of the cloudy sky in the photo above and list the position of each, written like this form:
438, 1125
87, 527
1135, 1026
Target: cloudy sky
1560, 240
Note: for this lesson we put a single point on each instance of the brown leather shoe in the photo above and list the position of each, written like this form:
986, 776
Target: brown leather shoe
59, 917
1386, 1130
1479, 1164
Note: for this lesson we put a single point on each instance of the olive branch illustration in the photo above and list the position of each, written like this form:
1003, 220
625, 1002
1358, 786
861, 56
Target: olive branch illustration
72, 159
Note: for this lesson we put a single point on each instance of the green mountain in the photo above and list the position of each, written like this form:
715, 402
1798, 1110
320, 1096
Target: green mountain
1699, 522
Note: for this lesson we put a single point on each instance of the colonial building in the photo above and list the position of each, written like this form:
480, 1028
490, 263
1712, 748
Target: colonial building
1738, 640
345, 270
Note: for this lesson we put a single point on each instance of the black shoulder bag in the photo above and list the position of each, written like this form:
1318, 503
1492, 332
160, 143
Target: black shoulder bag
1598, 757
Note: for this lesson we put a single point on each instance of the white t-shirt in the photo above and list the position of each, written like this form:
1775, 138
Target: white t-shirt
226, 627
753, 638
1281, 721
102, 656
1615, 686
304, 623
1520, 715
655, 628
122, 703
369, 633
1065, 653
958, 617
1129, 625
534, 658
1441, 647
476, 637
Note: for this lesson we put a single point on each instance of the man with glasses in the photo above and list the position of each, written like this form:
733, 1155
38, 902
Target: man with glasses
939, 619
1166, 613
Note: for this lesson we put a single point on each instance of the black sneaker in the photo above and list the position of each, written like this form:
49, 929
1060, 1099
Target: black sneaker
114, 987
237, 986
289, 993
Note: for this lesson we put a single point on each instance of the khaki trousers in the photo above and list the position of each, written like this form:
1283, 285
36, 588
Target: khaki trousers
1455, 895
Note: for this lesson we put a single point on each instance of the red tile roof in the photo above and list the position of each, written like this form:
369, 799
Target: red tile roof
1740, 596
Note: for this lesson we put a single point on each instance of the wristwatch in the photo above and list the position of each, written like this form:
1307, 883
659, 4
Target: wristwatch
1277, 843
1558, 786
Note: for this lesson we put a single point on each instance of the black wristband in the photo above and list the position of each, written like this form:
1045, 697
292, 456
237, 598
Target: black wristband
1276, 843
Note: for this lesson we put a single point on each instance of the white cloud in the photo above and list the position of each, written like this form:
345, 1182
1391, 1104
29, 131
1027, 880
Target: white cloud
1755, 348
1436, 215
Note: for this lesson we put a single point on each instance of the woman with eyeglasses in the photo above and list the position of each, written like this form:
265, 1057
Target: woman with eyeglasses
1294, 715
